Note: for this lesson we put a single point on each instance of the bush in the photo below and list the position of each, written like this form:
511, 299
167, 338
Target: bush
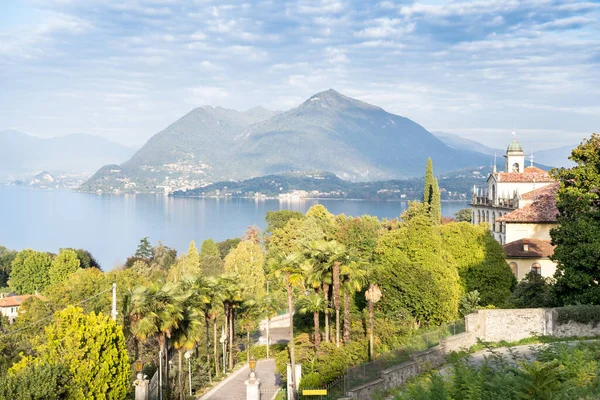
259, 351
533, 291
583, 314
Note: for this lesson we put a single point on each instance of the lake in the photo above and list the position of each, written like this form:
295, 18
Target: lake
110, 226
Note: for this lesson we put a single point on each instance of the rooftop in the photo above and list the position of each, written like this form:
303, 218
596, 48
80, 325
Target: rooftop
542, 207
16, 301
529, 248
531, 174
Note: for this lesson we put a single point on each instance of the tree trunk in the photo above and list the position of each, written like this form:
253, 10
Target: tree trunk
215, 348
181, 396
231, 317
292, 384
326, 294
207, 323
346, 316
336, 300
166, 354
248, 345
225, 348
371, 323
317, 333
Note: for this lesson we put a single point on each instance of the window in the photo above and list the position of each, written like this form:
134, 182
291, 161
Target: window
515, 167
514, 268
536, 268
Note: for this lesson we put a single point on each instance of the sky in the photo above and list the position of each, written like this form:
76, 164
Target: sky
125, 70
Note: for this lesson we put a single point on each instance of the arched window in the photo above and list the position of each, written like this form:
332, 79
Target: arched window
514, 268
487, 216
536, 268
473, 218
478, 216
494, 193
515, 167
494, 221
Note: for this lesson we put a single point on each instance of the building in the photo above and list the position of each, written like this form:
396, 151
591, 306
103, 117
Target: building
9, 306
519, 206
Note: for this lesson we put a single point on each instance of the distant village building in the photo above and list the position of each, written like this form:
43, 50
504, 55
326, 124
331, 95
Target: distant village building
519, 206
9, 306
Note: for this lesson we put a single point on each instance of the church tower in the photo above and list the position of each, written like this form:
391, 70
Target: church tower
515, 158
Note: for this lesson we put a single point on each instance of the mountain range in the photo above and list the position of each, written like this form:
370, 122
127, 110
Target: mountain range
557, 157
328, 132
22, 154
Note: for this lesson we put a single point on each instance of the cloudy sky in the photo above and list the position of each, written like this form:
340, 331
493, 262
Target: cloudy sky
126, 69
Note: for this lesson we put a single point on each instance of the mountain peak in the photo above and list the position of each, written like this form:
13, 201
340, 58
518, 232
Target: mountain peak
335, 100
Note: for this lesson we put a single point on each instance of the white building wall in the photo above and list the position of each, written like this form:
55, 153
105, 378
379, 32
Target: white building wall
548, 267
516, 231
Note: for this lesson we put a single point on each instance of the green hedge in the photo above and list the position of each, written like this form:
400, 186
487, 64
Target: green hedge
583, 314
259, 352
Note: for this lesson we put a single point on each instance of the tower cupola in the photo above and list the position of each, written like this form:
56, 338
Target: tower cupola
515, 157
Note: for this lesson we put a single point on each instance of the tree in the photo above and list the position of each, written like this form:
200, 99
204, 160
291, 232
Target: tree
533, 291
63, 265
187, 265
431, 195
226, 245
6, 258
412, 272
313, 303
246, 261
91, 347
30, 271
144, 249
354, 278
480, 261
231, 298
279, 219
210, 294
211, 263
163, 257
37, 381
577, 235
463, 215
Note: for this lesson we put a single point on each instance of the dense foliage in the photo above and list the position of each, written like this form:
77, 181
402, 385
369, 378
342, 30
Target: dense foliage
561, 371
578, 234
30, 271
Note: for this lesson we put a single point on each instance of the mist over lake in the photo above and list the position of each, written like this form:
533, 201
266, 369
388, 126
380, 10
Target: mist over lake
111, 226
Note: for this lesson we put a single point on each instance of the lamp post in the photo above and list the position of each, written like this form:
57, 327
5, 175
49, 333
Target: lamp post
373, 295
187, 356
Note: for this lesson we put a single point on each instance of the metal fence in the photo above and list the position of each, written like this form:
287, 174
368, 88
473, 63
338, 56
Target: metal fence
153, 387
371, 371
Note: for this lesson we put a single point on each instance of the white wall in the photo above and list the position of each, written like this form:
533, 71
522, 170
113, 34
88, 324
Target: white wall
516, 231
524, 266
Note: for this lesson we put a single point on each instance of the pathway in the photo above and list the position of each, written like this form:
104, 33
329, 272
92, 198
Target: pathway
233, 387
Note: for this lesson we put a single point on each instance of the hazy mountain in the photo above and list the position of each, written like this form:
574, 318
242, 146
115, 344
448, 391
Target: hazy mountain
78, 153
558, 157
459, 142
331, 132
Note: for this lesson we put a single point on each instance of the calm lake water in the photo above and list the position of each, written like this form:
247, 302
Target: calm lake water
110, 227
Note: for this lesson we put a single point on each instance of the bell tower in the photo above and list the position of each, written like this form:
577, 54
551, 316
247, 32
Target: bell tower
515, 158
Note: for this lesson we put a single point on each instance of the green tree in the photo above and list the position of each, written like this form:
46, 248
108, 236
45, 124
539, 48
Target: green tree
431, 195
6, 258
163, 257
211, 262
412, 272
144, 249
279, 219
247, 260
187, 265
63, 265
313, 303
577, 235
533, 291
30, 271
463, 215
480, 261
37, 381
91, 347
359, 235
226, 246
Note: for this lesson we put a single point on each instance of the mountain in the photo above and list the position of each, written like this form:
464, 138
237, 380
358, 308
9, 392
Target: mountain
459, 142
558, 157
78, 153
329, 132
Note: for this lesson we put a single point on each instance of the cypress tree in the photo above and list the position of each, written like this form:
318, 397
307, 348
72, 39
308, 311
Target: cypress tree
431, 194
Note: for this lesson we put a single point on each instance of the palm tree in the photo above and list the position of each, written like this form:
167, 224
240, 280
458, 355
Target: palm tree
313, 303
290, 268
209, 291
231, 299
249, 312
354, 278
187, 333
326, 258
156, 311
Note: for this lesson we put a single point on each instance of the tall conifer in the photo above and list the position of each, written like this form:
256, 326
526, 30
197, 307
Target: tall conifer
431, 194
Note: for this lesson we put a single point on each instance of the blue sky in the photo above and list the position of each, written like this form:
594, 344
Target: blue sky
126, 69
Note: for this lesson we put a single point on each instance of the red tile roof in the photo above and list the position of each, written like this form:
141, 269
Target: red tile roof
536, 175
16, 301
537, 248
541, 209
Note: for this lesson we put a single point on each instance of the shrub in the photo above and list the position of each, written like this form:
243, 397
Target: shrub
583, 314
